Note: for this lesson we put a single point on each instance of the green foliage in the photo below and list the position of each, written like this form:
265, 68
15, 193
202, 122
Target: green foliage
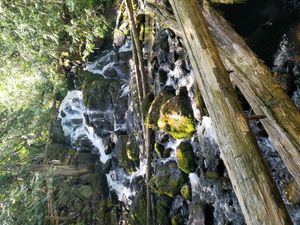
22, 200
35, 38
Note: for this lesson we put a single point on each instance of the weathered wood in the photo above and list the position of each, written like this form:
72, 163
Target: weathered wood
256, 191
148, 42
261, 90
137, 74
142, 85
256, 83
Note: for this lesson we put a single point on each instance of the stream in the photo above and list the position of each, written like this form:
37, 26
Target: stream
100, 116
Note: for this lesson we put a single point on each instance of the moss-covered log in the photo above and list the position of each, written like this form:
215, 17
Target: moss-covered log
256, 191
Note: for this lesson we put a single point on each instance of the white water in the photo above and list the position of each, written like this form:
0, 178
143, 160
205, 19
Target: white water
120, 182
73, 109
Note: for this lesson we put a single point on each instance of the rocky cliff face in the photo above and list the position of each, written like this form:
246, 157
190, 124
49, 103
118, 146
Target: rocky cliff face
102, 122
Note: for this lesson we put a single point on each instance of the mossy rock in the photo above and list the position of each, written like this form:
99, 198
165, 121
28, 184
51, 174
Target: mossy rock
132, 150
96, 88
177, 220
119, 37
163, 205
168, 180
176, 118
212, 175
138, 212
185, 157
153, 113
125, 161
186, 192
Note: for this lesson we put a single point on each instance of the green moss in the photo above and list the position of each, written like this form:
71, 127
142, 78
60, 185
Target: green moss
153, 112
177, 125
163, 206
212, 174
176, 118
176, 220
185, 157
186, 192
95, 88
132, 150
125, 161
138, 214
168, 180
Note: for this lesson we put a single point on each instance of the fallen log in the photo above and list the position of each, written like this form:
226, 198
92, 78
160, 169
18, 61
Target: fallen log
256, 83
261, 90
256, 191
61, 170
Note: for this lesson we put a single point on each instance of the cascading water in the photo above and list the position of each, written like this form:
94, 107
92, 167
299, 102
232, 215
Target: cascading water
72, 115
94, 129
101, 115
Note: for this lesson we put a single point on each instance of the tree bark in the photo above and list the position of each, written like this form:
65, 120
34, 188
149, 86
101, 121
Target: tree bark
256, 82
149, 40
138, 47
264, 94
256, 191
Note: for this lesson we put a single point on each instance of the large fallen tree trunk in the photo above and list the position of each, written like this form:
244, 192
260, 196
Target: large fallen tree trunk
261, 90
256, 191
256, 83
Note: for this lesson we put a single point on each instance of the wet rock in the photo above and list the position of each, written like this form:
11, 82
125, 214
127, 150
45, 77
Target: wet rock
124, 160
167, 152
133, 150
177, 220
179, 211
176, 118
147, 103
98, 93
168, 179
185, 157
162, 76
159, 149
196, 216
153, 113
138, 212
119, 37
163, 206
